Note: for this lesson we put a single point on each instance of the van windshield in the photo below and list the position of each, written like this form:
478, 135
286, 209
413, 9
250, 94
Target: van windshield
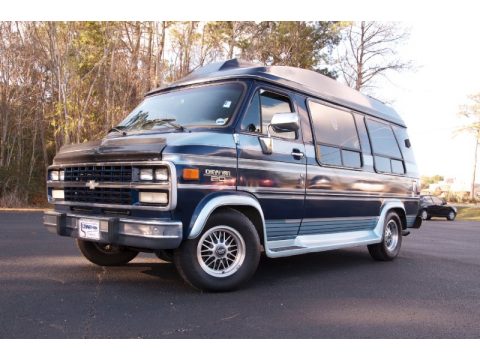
210, 105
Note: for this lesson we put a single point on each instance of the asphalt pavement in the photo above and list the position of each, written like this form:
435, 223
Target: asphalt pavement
432, 290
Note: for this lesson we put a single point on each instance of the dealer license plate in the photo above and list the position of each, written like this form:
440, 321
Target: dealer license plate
89, 229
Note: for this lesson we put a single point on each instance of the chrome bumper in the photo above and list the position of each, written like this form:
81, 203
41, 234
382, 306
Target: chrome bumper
142, 233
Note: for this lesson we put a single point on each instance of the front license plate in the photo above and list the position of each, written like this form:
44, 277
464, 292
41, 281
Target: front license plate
89, 229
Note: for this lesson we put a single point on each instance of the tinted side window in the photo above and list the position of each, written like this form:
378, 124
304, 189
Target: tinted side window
382, 164
383, 140
333, 126
387, 155
397, 166
251, 121
260, 112
401, 134
330, 155
271, 104
335, 135
427, 200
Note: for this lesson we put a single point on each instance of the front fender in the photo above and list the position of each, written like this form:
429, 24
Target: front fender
215, 200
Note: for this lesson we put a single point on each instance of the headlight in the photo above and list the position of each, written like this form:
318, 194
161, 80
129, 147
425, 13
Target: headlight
161, 174
153, 197
54, 175
58, 194
62, 175
146, 174
157, 174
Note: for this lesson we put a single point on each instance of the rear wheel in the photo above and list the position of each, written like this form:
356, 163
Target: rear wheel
389, 248
224, 256
424, 214
105, 254
451, 215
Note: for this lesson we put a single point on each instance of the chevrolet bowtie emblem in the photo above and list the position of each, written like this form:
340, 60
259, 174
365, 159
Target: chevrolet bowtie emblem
92, 184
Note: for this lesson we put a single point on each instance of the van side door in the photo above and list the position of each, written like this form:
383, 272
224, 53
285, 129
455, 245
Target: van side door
276, 179
339, 189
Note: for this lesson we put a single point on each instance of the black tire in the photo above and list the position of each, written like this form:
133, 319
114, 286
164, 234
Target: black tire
165, 255
451, 215
424, 214
388, 249
198, 273
105, 254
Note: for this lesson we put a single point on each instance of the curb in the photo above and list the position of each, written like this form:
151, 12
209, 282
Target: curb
2, 210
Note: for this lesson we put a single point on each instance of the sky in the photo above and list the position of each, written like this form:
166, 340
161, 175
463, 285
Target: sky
447, 58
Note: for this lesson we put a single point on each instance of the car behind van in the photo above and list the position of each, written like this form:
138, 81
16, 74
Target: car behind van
233, 160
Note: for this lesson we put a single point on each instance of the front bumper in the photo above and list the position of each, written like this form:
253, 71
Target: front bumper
141, 233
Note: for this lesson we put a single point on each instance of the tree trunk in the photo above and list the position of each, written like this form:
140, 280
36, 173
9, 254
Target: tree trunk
159, 68
231, 40
361, 49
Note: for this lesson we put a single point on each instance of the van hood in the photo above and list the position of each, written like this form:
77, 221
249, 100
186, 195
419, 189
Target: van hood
139, 147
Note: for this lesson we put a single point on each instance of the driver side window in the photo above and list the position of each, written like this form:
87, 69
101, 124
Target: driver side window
259, 114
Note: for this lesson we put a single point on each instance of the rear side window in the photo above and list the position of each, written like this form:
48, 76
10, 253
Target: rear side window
402, 137
336, 136
387, 155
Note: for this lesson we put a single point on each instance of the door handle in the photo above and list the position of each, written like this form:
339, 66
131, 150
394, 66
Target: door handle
297, 154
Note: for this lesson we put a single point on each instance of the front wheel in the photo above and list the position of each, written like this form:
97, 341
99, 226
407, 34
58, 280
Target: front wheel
105, 254
389, 248
451, 215
224, 256
165, 255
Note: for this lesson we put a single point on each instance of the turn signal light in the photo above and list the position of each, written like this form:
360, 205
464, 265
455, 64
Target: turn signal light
191, 174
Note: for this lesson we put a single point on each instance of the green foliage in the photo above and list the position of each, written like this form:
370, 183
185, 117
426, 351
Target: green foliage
468, 213
294, 43
69, 82
428, 180
88, 47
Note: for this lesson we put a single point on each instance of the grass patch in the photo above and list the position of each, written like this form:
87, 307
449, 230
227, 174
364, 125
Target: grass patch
468, 213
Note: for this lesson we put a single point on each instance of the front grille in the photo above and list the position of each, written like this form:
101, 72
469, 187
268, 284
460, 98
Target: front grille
99, 195
100, 173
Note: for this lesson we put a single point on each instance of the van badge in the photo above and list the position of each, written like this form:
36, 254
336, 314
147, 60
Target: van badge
92, 184
217, 175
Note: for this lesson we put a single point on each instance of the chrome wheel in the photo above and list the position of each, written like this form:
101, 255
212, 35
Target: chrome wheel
391, 235
451, 215
221, 251
424, 215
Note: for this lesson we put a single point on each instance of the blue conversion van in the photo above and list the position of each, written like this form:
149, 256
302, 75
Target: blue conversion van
233, 160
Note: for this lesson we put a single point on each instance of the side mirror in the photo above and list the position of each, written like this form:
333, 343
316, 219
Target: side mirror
285, 122
281, 122
444, 202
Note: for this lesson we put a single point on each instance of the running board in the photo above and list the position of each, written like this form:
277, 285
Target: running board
304, 244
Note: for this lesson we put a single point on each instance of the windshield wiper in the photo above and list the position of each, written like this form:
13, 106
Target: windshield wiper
118, 129
166, 121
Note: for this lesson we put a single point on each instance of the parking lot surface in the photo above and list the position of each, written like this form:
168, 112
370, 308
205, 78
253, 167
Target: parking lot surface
48, 290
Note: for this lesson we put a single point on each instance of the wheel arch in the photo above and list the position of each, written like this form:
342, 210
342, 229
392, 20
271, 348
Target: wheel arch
403, 217
388, 206
242, 202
